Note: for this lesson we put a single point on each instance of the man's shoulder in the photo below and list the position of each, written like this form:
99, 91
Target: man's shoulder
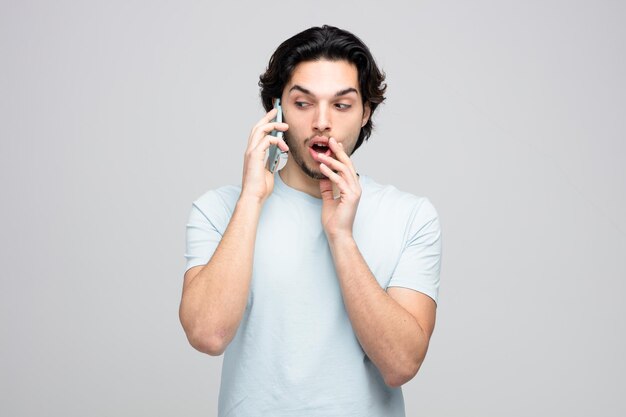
372, 190
396, 204
224, 197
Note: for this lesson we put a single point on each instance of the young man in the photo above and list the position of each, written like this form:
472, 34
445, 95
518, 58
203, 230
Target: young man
319, 284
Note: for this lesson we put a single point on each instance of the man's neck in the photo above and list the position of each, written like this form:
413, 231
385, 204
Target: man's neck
296, 179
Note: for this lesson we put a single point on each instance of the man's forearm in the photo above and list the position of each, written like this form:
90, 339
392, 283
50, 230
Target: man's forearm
389, 334
214, 301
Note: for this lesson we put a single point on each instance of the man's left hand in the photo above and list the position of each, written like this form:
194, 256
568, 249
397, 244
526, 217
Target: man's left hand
338, 214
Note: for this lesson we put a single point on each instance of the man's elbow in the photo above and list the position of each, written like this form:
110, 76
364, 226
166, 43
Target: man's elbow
402, 374
202, 338
213, 346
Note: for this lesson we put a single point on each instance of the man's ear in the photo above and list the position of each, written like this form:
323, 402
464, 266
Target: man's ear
367, 112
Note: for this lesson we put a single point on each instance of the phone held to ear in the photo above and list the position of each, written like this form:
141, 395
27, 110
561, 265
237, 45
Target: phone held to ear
274, 151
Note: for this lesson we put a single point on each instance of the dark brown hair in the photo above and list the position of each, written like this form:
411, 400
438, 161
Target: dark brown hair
326, 42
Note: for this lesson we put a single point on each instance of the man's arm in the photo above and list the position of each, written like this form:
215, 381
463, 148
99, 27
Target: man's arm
215, 295
393, 327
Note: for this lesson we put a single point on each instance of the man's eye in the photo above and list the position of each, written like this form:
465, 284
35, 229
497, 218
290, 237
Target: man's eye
343, 106
301, 104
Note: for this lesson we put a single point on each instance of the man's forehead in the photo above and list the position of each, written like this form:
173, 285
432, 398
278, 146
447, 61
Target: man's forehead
324, 77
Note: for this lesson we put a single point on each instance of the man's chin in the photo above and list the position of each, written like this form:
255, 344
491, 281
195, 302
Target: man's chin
319, 176
315, 174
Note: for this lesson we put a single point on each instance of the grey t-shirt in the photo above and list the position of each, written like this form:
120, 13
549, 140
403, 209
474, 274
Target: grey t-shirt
295, 353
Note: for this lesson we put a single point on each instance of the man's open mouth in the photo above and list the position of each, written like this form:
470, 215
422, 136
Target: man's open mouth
318, 147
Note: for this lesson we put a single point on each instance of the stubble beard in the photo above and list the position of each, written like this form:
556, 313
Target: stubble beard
295, 153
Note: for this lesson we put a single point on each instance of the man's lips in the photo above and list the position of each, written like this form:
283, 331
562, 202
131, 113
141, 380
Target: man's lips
319, 140
314, 153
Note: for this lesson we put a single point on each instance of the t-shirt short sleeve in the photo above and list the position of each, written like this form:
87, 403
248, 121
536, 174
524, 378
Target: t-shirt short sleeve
208, 219
420, 261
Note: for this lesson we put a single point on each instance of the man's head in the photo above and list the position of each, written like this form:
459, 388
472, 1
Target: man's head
326, 43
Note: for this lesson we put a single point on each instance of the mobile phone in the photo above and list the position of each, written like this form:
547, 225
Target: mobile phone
274, 151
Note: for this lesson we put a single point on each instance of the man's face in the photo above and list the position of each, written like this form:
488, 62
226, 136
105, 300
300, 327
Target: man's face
322, 100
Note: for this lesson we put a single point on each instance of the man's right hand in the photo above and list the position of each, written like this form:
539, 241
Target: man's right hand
258, 182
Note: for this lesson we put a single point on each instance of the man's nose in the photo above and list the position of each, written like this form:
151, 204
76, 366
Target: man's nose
322, 118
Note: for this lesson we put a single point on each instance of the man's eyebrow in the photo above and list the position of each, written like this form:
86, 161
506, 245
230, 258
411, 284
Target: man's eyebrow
346, 91
337, 94
299, 88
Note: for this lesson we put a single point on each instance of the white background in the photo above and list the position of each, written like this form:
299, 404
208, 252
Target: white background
509, 116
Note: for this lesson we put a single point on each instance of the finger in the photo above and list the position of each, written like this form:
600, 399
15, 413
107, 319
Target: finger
269, 127
331, 162
340, 168
267, 118
282, 145
269, 140
259, 131
339, 152
336, 178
